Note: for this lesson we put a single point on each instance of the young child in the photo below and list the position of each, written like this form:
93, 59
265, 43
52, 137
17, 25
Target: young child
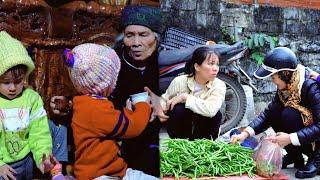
24, 131
96, 125
193, 101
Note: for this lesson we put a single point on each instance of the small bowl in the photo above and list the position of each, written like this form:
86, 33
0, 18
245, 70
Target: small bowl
139, 97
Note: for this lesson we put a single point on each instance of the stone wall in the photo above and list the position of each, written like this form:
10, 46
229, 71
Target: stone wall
309, 4
296, 28
207, 17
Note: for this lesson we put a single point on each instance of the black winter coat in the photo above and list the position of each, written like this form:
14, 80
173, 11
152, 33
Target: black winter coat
132, 81
310, 98
138, 152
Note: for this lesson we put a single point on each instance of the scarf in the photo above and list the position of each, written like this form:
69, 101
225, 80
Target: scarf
292, 98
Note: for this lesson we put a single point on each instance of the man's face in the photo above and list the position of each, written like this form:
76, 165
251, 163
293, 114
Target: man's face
140, 40
11, 87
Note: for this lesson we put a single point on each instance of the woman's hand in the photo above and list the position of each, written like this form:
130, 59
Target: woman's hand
156, 106
7, 172
162, 116
60, 105
314, 75
239, 137
283, 139
181, 98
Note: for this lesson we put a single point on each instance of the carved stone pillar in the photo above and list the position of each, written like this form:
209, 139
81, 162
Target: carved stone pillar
47, 31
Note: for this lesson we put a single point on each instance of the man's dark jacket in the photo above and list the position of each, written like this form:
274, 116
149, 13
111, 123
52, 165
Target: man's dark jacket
141, 152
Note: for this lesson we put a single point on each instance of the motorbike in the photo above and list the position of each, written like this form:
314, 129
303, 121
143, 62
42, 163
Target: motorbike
177, 47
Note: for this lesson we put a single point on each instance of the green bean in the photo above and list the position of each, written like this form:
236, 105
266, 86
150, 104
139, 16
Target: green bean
202, 157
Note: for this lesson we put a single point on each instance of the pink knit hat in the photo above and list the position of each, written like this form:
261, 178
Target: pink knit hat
92, 67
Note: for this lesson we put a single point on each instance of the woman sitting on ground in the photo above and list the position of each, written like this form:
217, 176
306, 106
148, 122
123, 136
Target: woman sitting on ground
192, 101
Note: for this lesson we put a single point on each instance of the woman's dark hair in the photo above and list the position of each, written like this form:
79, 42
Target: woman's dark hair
198, 56
17, 71
285, 76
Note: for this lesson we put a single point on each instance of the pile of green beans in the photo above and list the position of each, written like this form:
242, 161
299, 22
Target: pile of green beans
203, 157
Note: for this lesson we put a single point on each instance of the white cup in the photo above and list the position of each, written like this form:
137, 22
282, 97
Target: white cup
139, 97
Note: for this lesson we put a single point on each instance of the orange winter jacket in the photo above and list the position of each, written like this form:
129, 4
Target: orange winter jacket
96, 126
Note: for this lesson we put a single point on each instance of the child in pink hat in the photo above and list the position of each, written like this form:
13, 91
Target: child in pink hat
97, 126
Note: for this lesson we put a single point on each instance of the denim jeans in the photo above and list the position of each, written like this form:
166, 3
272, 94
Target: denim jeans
23, 168
59, 141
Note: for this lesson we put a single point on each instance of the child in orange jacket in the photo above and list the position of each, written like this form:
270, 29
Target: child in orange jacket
96, 125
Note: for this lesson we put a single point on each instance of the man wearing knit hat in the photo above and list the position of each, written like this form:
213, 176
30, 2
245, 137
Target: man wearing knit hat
96, 125
141, 26
24, 124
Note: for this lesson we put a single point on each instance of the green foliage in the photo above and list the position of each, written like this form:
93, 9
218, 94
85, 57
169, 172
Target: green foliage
259, 44
258, 57
226, 37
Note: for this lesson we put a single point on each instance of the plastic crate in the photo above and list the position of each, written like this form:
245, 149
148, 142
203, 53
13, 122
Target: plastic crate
174, 38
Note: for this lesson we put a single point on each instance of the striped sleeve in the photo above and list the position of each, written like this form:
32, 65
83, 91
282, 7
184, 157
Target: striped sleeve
132, 122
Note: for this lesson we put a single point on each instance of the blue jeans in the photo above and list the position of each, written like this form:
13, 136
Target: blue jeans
59, 141
23, 168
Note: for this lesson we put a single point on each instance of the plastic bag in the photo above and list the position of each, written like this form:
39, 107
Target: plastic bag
268, 158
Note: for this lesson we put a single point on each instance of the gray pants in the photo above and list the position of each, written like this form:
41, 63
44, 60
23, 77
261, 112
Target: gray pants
23, 168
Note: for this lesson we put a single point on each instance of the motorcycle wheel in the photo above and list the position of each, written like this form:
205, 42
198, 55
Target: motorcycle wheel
235, 105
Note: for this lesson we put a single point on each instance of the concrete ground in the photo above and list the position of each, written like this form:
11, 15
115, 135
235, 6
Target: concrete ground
290, 171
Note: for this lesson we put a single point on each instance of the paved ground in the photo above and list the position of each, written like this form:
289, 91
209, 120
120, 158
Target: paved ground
291, 171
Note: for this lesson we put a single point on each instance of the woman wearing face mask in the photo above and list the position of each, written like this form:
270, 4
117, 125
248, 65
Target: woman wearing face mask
294, 112
193, 101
